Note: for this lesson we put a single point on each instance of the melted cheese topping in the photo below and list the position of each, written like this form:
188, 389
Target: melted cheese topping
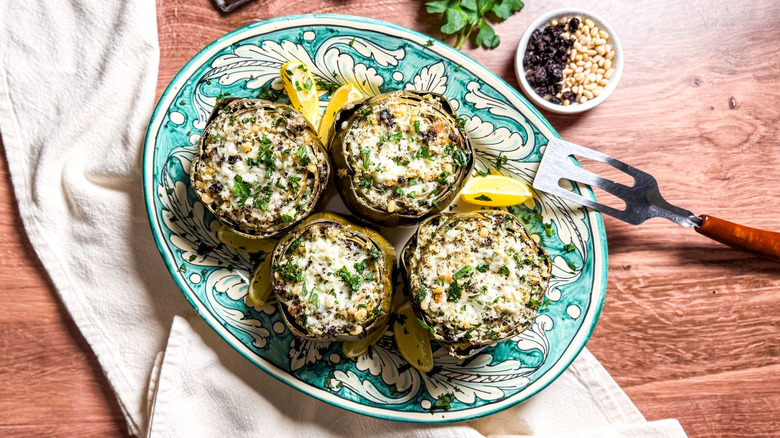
330, 281
258, 167
405, 155
476, 278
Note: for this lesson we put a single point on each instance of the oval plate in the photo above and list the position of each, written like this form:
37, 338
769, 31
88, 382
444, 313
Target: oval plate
376, 57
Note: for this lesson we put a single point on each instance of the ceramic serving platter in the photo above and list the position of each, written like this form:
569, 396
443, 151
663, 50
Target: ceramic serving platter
376, 57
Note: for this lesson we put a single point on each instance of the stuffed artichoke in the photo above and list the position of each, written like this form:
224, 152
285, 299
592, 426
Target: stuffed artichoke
474, 278
260, 167
333, 279
399, 157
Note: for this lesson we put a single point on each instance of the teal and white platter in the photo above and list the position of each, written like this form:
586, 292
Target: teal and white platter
376, 57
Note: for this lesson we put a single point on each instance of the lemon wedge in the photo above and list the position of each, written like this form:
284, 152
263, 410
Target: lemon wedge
353, 349
342, 96
495, 191
301, 89
260, 285
245, 244
413, 341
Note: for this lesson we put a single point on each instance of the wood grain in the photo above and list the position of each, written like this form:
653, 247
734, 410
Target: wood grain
690, 327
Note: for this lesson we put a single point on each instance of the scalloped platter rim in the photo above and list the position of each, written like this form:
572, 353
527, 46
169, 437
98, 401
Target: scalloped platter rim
376, 57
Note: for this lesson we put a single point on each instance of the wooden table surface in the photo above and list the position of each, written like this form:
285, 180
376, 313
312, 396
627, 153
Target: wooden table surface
689, 329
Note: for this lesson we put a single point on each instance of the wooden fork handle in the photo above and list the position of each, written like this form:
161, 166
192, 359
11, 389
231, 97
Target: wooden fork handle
761, 242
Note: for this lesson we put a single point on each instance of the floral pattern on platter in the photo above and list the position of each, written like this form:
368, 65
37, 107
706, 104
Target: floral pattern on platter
376, 57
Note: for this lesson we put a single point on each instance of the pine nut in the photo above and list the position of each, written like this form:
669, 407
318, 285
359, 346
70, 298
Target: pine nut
246, 148
587, 65
603, 34
578, 57
587, 94
596, 91
583, 99
600, 71
575, 89
589, 87
601, 63
592, 52
601, 42
603, 82
589, 22
610, 55
609, 73
566, 102
554, 23
600, 50
206, 198
567, 71
591, 77
586, 29
598, 78
608, 48
577, 46
390, 206
607, 64
573, 66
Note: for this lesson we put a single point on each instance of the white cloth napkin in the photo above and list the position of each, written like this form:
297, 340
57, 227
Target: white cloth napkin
77, 83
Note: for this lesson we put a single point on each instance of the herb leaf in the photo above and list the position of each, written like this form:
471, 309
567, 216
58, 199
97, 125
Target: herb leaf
462, 17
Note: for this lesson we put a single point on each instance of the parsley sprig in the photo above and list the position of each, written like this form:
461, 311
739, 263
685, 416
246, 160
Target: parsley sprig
461, 17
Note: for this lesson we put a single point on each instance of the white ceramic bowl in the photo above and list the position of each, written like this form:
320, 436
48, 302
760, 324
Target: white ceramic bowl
575, 107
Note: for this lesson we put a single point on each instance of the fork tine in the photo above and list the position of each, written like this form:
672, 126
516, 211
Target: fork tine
561, 147
561, 192
580, 175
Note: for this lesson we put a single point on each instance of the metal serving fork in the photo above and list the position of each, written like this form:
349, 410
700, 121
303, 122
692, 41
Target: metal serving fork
643, 199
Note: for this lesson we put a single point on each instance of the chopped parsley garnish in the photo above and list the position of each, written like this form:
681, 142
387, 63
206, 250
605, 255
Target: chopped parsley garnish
293, 246
412, 182
428, 43
353, 281
422, 293
483, 198
501, 160
569, 247
301, 153
314, 298
396, 138
292, 181
426, 326
571, 265
398, 191
443, 403
292, 273
483, 268
401, 162
548, 229
442, 178
366, 183
365, 153
307, 84
481, 173
375, 253
504, 271
287, 218
240, 188
455, 290
464, 272
460, 156
416, 126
